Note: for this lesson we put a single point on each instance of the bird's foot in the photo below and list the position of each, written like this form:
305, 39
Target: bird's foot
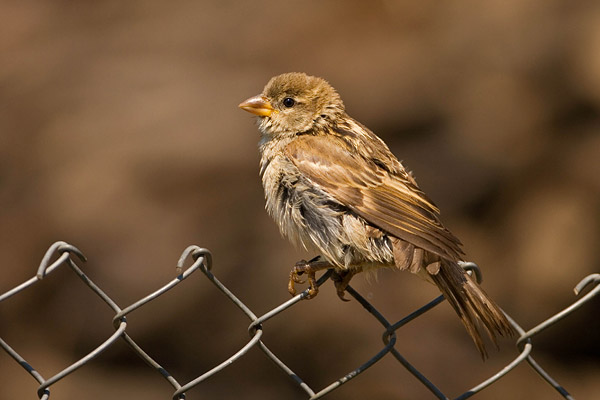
309, 268
341, 279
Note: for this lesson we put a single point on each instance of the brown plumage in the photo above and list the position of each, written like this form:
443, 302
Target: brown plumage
334, 187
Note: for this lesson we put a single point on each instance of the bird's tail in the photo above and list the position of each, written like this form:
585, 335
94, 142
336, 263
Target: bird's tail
474, 307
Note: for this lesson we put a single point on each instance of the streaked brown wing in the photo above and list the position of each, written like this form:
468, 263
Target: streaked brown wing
390, 201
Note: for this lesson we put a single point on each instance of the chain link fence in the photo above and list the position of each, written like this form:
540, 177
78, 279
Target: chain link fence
201, 260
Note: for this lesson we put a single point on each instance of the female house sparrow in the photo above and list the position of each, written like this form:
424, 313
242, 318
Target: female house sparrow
333, 186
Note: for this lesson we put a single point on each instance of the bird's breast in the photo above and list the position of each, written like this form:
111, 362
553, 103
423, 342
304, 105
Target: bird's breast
310, 217
304, 213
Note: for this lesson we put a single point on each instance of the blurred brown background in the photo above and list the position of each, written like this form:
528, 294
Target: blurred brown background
120, 134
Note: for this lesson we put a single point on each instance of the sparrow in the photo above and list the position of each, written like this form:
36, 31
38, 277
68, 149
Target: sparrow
335, 188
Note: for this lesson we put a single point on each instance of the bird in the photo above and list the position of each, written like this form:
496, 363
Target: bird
334, 187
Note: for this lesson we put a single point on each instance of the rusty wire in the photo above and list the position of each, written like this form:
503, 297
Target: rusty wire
201, 259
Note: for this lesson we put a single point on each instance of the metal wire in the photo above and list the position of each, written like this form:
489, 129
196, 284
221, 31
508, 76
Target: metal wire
201, 259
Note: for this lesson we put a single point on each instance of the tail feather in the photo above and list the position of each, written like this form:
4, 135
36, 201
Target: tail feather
474, 307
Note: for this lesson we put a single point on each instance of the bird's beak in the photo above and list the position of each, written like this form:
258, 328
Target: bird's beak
257, 105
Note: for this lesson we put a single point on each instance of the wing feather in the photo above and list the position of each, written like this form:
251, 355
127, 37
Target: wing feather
386, 197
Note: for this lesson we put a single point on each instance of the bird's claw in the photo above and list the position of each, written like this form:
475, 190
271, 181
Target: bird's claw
341, 281
303, 267
341, 291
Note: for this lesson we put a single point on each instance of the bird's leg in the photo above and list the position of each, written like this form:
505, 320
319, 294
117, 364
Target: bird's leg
309, 268
341, 279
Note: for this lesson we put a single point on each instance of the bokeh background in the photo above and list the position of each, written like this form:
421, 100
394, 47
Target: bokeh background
120, 134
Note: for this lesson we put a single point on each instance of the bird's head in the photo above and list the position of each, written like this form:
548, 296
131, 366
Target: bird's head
293, 103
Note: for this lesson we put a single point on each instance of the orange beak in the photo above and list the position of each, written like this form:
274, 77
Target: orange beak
257, 105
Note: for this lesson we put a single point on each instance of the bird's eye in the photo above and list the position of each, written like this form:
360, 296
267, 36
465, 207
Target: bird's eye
289, 102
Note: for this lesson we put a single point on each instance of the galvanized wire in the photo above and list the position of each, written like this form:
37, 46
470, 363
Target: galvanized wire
201, 259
